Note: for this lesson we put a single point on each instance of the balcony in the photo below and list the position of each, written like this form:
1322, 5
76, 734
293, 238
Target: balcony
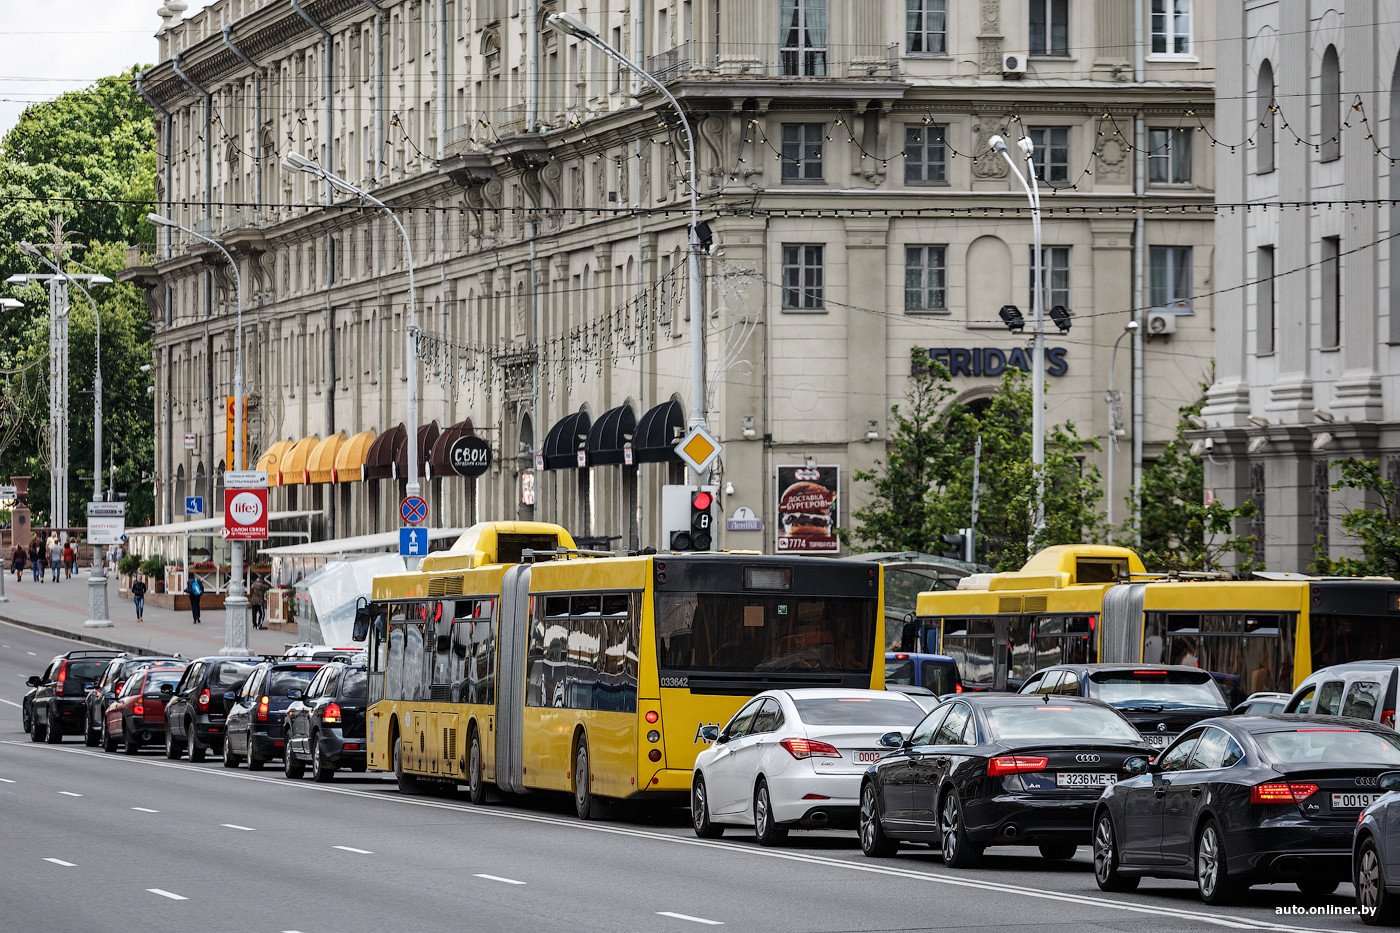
772, 62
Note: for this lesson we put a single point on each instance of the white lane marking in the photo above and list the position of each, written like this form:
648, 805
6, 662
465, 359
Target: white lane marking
356, 851
173, 897
145, 810
69, 793
59, 861
6, 781
667, 913
10, 703
499, 878
32, 654
739, 848
246, 829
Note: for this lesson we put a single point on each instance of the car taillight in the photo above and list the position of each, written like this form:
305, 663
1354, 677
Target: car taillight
203, 703
1015, 764
957, 688
62, 675
332, 713
138, 709
1388, 718
809, 748
262, 710
1281, 792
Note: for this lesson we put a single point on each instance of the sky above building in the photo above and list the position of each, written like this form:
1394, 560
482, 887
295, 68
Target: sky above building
53, 46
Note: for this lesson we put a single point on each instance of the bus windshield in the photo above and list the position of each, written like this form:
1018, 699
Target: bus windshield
752, 632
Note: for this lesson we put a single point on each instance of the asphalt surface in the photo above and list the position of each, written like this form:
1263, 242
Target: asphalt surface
91, 841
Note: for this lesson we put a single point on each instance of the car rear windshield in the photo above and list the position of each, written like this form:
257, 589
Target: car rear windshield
1053, 723
354, 683
1167, 689
899, 671
85, 670
228, 673
161, 676
280, 681
1328, 746
858, 711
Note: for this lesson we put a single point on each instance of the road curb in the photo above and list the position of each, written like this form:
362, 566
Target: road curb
78, 636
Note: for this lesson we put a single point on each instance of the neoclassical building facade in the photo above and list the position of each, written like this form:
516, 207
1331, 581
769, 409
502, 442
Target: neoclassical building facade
843, 169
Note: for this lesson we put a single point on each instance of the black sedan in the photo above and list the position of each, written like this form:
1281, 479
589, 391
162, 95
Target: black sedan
326, 726
997, 769
1245, 800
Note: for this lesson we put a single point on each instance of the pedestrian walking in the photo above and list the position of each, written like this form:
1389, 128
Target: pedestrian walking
36, 560
138, 596
70, 559
195, 589
55, 557
257, 598
17, 562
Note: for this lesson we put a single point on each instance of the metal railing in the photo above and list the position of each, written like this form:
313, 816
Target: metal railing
698, 60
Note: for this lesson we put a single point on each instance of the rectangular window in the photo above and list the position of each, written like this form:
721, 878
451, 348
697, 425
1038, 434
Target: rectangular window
1049, 27
925, 154
1331, 292
1264, 299
1169, 156
926, 26
1169, 279
802, 33
1051, 153
925, 278
802, 151
617, 70
1171, 27
1055, 267
804, 276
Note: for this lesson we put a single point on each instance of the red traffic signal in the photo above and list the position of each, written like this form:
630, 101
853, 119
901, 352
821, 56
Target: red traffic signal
701, 501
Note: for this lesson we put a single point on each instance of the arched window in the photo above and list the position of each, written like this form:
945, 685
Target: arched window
1264, 120
1331, 97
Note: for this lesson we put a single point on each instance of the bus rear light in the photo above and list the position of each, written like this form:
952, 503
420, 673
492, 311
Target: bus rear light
202, 704
331, 713
653, 737
652, 716
1281, 792
262, 709
1015, 764
809, 748
654, 755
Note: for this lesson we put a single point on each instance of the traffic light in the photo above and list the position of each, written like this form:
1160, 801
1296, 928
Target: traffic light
960, 546
700, 535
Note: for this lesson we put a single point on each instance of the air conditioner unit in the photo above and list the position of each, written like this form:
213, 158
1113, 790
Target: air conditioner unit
1013, 66
1159, 323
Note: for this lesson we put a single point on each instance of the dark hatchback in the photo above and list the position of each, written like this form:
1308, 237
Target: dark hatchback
996, 769
194, 716
56, 702
1244, 800
936, 672
254, 728
1160, 700
326, 726
113, 678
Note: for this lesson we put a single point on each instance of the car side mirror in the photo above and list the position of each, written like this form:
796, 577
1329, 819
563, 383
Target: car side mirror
230, 696
1389, 780
709, 733
362, 620
89, 685
294, 694
892, 740
167, 689
722, 737
1139, 764
33, 680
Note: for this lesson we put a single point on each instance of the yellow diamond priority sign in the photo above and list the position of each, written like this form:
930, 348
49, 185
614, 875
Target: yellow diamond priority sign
699, 449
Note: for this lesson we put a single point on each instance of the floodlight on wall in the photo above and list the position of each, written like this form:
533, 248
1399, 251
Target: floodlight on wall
1322, 414
1062, 318
872, 431
1197, 422
1322, 441
1011, 317
11, 304
1198, 448
1258, 444
748, 428
1259, 421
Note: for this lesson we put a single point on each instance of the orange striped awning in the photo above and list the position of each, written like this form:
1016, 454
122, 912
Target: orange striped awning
293, 469
350, 458
271, 461
320, 466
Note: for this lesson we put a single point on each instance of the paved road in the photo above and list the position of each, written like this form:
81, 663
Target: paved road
91, 841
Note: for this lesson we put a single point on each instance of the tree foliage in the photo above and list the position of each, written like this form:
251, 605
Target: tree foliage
1377, 529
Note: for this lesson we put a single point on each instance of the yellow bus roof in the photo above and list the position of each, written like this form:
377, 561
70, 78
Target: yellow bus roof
480, 544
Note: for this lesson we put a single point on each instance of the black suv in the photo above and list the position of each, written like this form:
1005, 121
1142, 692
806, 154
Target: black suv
56, 702
327, 725
114, 677
194, 715
255, 711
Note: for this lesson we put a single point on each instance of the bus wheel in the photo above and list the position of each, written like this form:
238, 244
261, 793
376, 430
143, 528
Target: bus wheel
408, 784
477, 791
586, 805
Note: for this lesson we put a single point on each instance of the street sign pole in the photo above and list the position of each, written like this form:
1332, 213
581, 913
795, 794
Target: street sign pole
106, 526
11, 495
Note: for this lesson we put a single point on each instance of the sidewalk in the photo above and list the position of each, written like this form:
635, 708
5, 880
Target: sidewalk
61, 608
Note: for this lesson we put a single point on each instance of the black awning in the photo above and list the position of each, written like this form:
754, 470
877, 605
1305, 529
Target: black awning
611, 433
565, 440
427, 434
379, 461
439, 458
657, 433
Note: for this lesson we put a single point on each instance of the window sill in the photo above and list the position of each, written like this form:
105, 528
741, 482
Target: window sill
1050, 56
929, 56
1186, 57
928, 184
1336, 349
1171, 185
803, 310
928, 312
809, 182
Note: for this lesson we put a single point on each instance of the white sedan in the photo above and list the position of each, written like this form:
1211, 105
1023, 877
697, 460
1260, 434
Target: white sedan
794, 759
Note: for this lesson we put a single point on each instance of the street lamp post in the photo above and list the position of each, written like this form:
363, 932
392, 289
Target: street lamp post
98, 616
7, 304
573, 26
1038, 310
1115, 412
296, 162
236, 606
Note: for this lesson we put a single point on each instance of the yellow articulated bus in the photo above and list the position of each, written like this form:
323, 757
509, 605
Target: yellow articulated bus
1090, 603
515, 661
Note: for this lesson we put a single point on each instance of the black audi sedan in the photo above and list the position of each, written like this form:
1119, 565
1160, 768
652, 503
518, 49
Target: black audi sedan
1244, 800
997, 769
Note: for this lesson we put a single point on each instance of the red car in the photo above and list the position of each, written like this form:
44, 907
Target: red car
137, 717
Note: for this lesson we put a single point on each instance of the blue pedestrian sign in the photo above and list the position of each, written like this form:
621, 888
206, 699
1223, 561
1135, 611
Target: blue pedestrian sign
194, 505
413, 542
413, 510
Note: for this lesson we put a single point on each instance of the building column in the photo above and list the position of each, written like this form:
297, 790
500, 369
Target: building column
867, 259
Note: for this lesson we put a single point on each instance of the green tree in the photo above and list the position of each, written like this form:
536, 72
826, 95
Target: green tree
1377, 529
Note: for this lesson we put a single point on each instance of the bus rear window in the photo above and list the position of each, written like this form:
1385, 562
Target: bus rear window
749, 632
1337, 639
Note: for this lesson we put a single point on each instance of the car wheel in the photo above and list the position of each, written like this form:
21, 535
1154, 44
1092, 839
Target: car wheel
873, 841
173, 748
705, 828
37, 732
1317, 886
91, 737
292, 766
254, 762
54, 733
230, 759
321, 771
197, 751
1212, 867
767, 830
24, 717
586, 803
408, 784
1378, 907
131, 743
958, 851
476, 777
1106, 862
109, 741
1059, 852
